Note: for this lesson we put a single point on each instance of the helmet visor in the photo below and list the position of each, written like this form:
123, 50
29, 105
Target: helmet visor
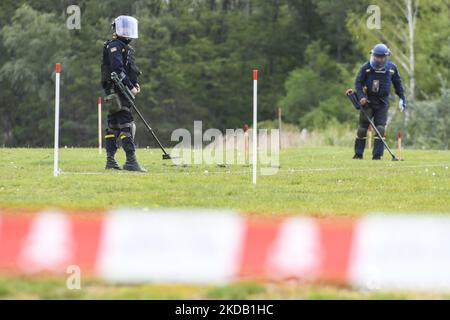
378, 61
126, 27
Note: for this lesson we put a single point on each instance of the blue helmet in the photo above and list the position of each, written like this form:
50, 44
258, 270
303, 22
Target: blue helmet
379, 54
381, 50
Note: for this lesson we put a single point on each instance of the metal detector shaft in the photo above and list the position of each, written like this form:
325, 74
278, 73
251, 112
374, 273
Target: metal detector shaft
130, 97
378, 133
351, 95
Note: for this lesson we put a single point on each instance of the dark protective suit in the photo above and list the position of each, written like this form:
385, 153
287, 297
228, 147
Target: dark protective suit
118, 56
375, 85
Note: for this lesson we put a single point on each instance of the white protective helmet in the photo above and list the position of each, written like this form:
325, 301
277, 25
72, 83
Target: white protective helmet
126, 27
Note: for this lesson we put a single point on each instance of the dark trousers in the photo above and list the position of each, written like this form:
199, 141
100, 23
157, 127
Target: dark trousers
120, 126
379, 113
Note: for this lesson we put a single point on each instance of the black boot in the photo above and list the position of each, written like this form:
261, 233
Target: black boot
378, 149
111, 163
111, 148
360, 145
131, 164
130, 150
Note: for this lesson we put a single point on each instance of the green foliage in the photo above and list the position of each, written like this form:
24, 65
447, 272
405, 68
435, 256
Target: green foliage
433, 47
302, 93
54, 287
431, 40
315, 93
31, 38
196, 57
429, 127
236, 291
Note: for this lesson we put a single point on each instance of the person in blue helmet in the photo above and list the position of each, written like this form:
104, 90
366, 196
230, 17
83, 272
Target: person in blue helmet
118, 56
373, 84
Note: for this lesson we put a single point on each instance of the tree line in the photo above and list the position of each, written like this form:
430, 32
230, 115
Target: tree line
196, 57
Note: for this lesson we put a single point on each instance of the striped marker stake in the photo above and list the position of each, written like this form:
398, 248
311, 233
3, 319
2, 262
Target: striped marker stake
246, 143
255, 124
56, 147
369, 136
99, 104
279, 126
399, 145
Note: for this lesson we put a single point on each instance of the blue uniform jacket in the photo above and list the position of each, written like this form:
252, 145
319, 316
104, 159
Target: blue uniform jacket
378, 83
116, 55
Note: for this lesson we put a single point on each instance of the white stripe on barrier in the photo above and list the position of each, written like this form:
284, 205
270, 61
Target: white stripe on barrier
171, 245
295, 252
401, 252
48, 245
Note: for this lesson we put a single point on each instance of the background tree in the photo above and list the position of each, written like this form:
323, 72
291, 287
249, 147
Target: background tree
197, 55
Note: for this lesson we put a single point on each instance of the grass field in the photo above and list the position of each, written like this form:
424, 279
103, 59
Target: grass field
55, 288
321, 181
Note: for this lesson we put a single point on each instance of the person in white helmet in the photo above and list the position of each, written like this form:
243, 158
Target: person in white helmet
118, 56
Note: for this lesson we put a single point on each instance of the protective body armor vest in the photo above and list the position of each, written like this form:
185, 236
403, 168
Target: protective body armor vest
129, 63
378, 82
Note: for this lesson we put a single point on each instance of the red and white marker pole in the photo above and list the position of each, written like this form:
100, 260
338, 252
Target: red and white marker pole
255, 124
56, 147
246, 142
280, 124
369, 136
399, 144
99, 104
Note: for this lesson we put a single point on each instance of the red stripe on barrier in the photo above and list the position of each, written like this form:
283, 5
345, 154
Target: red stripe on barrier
13, 231
336, 239
86, 234
258, 239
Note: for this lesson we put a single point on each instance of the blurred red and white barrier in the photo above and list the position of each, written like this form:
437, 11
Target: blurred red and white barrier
209, 246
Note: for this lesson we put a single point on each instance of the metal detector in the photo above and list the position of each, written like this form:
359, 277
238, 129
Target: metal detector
130, 98
354, 99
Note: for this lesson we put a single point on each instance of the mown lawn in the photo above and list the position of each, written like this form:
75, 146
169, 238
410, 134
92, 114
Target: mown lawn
322, 180
55, 288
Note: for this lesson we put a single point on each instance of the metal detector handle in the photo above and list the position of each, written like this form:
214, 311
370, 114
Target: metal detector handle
130, 97
353, 98
123, 88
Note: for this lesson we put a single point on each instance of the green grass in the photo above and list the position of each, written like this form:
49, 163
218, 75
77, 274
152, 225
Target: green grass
322, 181
55, 288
